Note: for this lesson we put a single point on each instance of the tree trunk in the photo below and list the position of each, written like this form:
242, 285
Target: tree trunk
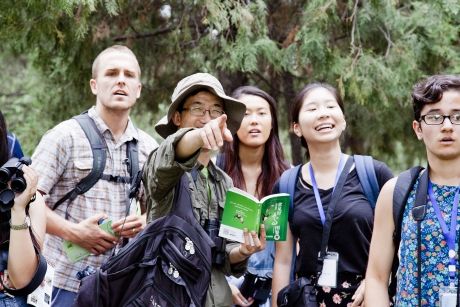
289, 95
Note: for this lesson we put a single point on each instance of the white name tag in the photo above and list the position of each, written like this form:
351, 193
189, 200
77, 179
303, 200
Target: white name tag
448, 296
328, 276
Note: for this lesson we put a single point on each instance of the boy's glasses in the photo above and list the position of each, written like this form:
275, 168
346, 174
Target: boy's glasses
213, 113
438, 119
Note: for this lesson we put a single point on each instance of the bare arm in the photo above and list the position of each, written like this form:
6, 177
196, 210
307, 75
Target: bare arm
282, 266
381, 250
22, 261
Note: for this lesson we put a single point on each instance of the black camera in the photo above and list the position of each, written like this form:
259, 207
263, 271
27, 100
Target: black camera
11, 172
257, 287
211, 226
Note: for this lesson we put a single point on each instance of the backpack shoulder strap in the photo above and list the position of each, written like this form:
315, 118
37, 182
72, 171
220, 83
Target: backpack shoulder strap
367, 177
99, 150
132, 154
287, 185
220, 161
403, 187
11, 142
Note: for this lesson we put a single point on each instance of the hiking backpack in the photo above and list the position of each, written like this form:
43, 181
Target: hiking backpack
99, 151
168, 264
366, 173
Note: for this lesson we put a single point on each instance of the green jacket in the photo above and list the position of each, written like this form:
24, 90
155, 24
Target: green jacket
161, 174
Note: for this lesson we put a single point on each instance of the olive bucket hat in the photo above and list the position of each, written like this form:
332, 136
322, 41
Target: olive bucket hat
233, 108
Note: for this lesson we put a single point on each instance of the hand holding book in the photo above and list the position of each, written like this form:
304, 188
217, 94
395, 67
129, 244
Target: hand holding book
252, 243
244, 211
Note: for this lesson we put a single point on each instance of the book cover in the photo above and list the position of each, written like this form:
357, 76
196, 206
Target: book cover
242, 210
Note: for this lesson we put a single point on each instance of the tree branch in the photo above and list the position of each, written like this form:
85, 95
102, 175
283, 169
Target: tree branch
386, 33
14, 94
143, 35
354, 18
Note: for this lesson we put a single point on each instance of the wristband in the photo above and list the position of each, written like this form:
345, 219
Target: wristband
22, 226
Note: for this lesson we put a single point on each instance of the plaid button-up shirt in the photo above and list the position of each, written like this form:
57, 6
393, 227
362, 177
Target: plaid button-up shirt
62, 158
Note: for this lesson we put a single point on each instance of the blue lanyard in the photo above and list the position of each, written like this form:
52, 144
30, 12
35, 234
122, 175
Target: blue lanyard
315, 187
449, 235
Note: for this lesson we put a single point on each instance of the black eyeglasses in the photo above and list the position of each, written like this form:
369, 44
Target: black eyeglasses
438, 119
200, 111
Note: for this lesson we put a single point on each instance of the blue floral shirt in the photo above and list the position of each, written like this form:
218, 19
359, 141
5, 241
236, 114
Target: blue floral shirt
434, 256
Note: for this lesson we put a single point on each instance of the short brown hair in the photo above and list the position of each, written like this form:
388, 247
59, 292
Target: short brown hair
430, 90
114, 48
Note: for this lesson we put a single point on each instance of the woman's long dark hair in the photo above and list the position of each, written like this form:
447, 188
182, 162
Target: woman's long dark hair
273, 163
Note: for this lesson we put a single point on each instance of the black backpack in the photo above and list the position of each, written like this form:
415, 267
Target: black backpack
99, 150
167, 264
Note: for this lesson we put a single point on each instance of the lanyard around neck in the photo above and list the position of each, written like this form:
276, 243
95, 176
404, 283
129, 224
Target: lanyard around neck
319, 203
449, 235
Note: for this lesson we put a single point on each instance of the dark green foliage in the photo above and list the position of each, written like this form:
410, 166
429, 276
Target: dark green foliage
373, 51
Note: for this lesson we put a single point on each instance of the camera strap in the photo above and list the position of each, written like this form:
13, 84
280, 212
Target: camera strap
36, 280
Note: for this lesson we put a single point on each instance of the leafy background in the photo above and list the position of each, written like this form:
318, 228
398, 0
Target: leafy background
374, 51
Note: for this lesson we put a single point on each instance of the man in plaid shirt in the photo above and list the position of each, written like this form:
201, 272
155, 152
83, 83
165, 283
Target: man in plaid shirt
64, 157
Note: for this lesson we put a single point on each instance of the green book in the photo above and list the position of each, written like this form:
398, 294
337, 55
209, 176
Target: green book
242, 210
75, 252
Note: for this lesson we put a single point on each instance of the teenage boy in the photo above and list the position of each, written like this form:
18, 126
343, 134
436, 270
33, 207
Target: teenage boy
428, 252
200, 118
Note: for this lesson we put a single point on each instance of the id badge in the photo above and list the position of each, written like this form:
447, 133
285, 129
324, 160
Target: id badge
448, 296
328, 276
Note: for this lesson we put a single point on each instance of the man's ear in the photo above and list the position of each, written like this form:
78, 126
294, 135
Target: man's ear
93, 85
176, 119
417, 129
139, 88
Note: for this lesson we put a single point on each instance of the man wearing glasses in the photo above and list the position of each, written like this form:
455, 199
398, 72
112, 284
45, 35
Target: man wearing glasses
429, 241
200, 118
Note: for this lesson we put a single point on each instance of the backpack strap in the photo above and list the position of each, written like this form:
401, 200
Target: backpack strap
287, 185
99, 149
220, 161
418, 214
11, 142
367, 177
132, 154
403, 187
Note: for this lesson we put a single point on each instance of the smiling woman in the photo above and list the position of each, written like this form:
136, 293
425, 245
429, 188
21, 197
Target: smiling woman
319, 121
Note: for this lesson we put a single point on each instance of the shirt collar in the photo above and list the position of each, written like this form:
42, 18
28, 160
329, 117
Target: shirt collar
129, 134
